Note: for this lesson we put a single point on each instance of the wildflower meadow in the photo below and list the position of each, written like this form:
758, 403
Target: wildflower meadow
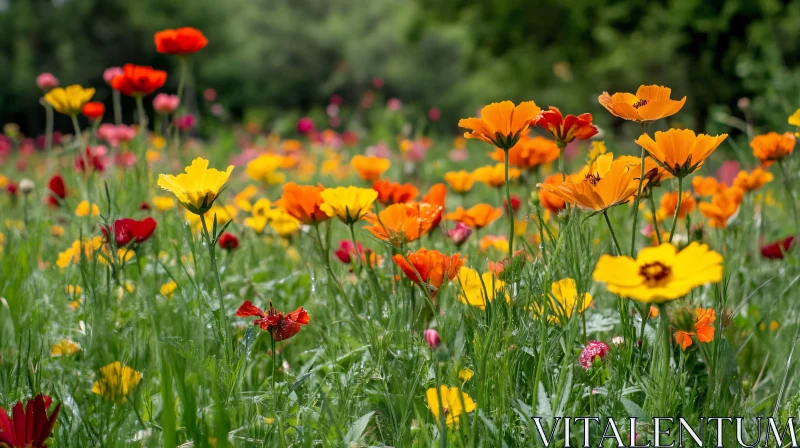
519, 277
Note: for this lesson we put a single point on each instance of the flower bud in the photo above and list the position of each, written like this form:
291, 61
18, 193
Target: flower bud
46, 81
26, 186
432, 338
459, 234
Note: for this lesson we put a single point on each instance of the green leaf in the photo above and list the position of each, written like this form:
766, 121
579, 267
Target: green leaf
356, 431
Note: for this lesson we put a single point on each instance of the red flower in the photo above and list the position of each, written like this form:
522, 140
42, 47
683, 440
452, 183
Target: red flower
565, 129
30, 426
95, 156
280, 326
394, 193
127, 230
778, 249
515, 203
181, 41
138, 80
228, 241
93, 110
12, 188
346, 248
58, 190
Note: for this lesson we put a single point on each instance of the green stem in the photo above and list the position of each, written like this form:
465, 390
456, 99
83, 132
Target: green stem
182, 81
541, 233
613, 235
274, 355
665, 347
355, 247
561, 147
677, 209
787, 185
213, 256
510, 214
117, 106
655, 219
638, 197
48, 142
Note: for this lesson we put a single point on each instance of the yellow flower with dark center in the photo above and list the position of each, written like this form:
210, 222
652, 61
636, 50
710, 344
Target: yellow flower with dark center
501, 124
494, 176
661, 273
116, 381
453, 402
69, 100
198, 187
680, 151
477, 289
349, 204
64, 347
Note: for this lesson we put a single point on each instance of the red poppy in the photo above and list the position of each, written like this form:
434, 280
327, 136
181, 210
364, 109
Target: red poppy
228, 241
12, 188
31, 426
181, 41
778, 249
127, 230
93, 110
515, 203
394, 193
58, 190
565, 129
280, 326
138, 80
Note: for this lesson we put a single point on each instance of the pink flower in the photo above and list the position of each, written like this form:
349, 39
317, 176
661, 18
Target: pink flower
166, 104
115, 134
378, 150
95, 157
394, 104
110, 73
346, 249
592, 351
727, 172
125, 160
185, 122
336, 99
460, 233
46, 81
458, 155
210, 94
432, 338
434, 114
217, 109
305, 125
332, 110
377, 82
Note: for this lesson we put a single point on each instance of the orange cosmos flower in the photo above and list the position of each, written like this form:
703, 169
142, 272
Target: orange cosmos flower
180, 42
552, 201
680, 151
138, 80
303, 202
478, 217
529, 152
501, 124
402, 223
494, 176
565, 129
460, 181
370, 168
705, 186
394, 193
602, 185
670, 200
754, 180
769, 148
429, 268
724, 204
703, 328
649, 104
436, 196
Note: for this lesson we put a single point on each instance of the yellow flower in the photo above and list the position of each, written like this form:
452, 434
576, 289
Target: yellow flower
262, 168
598, 149
283, 223
116, 382
794, 119
242, 200
169, 288
163, 203
73, 253
472, 287
460, 181
85, 208
660, 273
223, 214
260, 215
3, 181
198, 187
347, 203
465, 375
494, 176
74, 290
64, 347
70, 100
453, 403
151, 155
56, 231
564, 300
158, 142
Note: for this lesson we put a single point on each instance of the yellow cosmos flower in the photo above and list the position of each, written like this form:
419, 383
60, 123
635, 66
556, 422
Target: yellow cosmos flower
85, 209
74, 290
158, 142
198, 187
151, 155
70, 100
460, 181
263, 168
660, 273
220, 214
349, 204
494, 176
284, 224
169, 288
64, 347
72, 255
242, 200
260, 213
56, 231
116, 381
453, 402
163, 203
476, 289
565, 300
794, 119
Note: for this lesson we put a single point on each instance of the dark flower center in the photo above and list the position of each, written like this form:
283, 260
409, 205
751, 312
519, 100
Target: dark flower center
639, 103
592, 179
655, 272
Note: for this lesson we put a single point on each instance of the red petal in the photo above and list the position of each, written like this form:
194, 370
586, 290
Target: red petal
248, 309
300, 316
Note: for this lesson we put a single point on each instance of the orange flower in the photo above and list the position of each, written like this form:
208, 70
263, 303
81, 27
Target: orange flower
724, 204
565, 129
705, 186
138, 80
180, 42
436, 196
649, 104
429, 268
402, 223
394, 193
528, 152
552, 201
680, 151
494, 176
460, 181
703, 328
93, 110
670, 200
602, 185
370, 168
478, 217
303, 202
501, 124
771, 147
498, 242
754, 180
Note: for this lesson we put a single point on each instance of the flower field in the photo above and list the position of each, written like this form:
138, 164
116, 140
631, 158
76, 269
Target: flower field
378, 283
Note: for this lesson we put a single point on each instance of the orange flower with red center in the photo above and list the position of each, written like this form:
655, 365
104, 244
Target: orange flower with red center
402, 223
501, 124
180, 42
565, 129
477, 217
529, 152
769, 148
280, 326
436, 196
680, 151
703, 328
670, 201
370, 168
394, 193
753, 180
494, 176
649, 104
303, 202
429, 268
138, 80
552, 201
724, 204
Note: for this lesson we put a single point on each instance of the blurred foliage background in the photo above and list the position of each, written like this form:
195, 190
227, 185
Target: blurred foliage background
281, 55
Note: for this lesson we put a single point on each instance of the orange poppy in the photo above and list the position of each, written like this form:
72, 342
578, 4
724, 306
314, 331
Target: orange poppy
436, 196
494, 176
478, 217
370, 168
565, 129
429, 268
529, 152
394, 193
501, 124
753, 180
724, 204
680, 151
552, 201
303, 202
180, 42
769, 148
670, 200
93, 110
138, 80
649, 104
602, 185
460, 181
703, 328
402, 223
705, 186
